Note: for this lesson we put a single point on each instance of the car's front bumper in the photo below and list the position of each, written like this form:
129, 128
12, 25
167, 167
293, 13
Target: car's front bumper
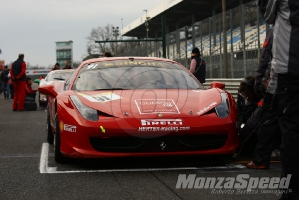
106, 138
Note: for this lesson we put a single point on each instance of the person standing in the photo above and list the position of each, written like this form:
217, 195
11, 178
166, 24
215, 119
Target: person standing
18, 76
10, 85
285, 67
4, 79
67, 66
198, 66
269, 135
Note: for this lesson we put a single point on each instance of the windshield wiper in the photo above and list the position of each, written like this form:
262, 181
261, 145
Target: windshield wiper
110, 89
60, 79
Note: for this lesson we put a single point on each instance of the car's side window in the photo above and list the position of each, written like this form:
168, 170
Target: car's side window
69, 80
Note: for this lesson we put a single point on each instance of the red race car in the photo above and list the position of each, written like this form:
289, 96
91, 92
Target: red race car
117, 107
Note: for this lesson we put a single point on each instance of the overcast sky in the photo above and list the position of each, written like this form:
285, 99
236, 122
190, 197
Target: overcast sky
33, 26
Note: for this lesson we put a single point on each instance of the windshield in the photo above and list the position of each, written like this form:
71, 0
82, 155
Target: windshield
134, 75
58, 76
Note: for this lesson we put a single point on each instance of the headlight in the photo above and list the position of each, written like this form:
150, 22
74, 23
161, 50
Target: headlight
222, 109
86, 112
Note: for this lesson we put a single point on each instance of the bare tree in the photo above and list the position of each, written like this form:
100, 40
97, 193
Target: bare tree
100, 34
105, 34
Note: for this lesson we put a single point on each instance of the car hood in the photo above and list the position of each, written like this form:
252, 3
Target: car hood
150, 103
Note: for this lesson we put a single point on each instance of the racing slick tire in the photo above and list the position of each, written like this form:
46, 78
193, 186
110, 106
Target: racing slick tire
50, 136
59, 158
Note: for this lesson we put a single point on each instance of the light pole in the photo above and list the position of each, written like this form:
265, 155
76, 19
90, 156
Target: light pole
122, 27
115, 31
146, 25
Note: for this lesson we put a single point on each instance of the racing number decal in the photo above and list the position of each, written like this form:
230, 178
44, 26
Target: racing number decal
92, 66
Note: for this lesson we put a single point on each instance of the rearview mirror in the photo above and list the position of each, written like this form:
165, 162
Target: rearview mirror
216, 84
47, 90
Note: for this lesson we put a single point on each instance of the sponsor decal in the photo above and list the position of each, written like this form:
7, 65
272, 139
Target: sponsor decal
241, 184
167, 125
206, 108
102, 128
37, 72
161, 122
70, 128
103, 97
61, 125
159, 106
161, 129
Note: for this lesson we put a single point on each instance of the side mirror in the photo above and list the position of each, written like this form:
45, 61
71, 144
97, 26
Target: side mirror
216, 84
47, 90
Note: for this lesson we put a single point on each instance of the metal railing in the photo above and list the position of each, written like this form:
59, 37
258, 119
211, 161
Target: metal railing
245, 30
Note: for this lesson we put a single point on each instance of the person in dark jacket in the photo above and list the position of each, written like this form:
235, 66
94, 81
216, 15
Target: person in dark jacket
249, 109
4, 79
107, 54
269, 135
10, 85
67, 66
285, 82
18, 76
264, 66
56, 67
198, 66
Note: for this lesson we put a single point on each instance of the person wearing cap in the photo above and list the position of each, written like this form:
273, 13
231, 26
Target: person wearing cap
18, 76
198, 66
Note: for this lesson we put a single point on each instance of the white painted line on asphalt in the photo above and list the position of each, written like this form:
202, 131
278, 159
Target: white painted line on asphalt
44, 169
43, 165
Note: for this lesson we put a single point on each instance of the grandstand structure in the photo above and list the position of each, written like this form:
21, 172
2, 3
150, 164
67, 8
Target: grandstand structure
202, 24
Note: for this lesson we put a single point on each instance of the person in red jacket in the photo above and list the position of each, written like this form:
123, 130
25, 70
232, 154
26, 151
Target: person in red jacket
18, 76
30, 93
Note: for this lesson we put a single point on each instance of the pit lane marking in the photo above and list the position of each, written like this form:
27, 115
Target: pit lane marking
45, 169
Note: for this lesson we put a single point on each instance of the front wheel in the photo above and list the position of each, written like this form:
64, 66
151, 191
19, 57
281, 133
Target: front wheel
59, 158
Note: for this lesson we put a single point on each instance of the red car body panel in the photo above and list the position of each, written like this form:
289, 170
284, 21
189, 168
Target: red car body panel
164, 115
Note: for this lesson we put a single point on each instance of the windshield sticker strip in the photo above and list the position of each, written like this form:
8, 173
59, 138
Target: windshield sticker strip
102, 98
108, 64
